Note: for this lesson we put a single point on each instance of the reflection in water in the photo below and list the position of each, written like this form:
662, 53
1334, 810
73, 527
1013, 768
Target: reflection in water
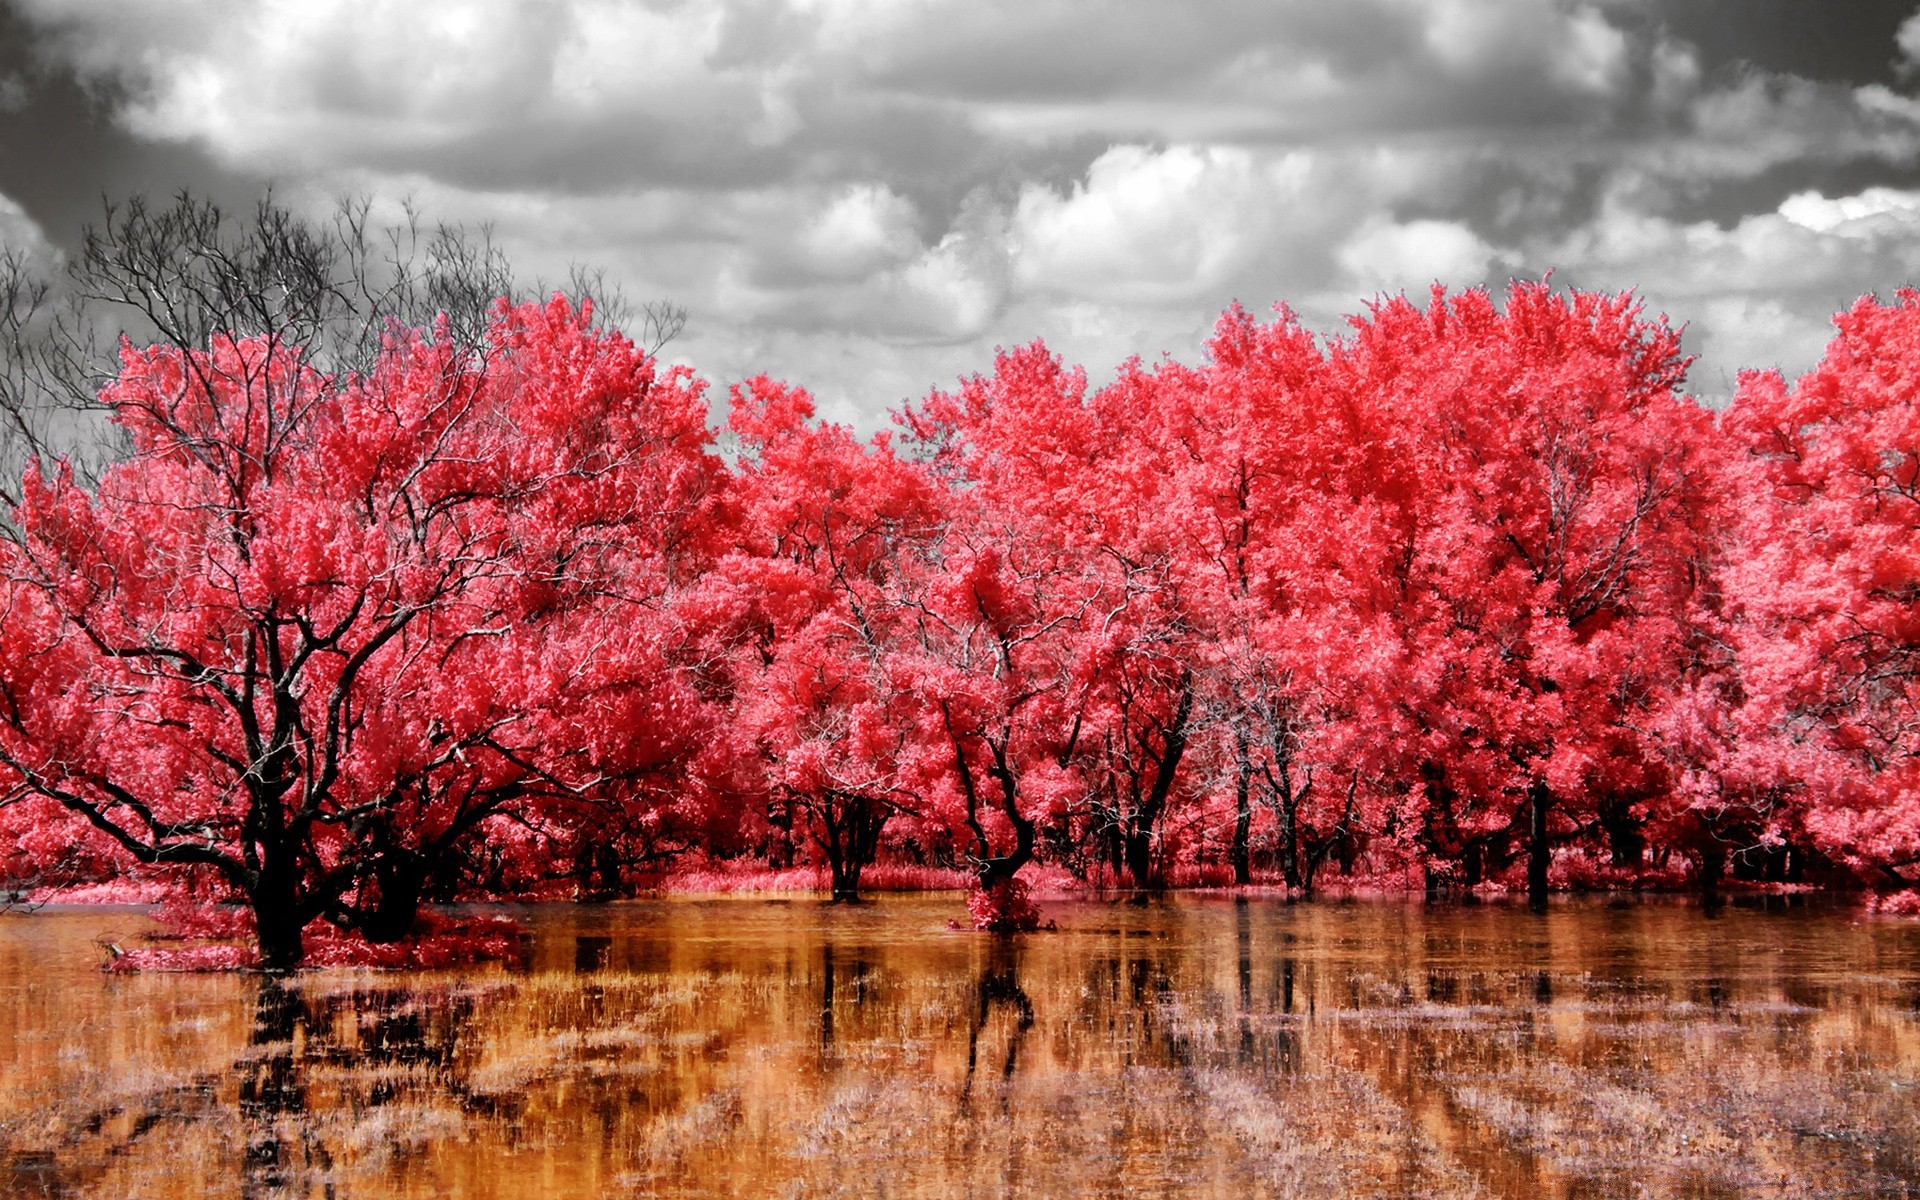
999, 987
1187, 1048
272, 1098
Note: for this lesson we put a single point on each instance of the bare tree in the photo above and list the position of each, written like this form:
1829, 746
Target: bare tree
183, 272
651, 325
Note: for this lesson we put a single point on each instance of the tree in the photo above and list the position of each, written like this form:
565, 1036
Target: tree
320, 627
1825, 580
1280, 492
1000, 615
185, 272
1551, 547
827, 526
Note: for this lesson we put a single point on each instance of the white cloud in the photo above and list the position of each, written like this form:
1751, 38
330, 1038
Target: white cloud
865, 227
1676, 73
21, 234
1758, 293
1579, 47
867, 196
1854, 216
1390, 256
1149, 225
1908, 40
285, 78
1754, 331
1592, 56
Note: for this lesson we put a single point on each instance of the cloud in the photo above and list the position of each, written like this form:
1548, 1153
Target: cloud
1578, 48
1152, 225
1864, 215
20, 234
862, 229
1758, 293
1908, 40
1387, 256
726, 90
868, 196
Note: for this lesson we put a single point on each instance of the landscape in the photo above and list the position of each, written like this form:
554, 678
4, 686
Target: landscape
1467, 608
463, 735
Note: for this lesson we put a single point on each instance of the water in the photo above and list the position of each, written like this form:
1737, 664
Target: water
1196, 1047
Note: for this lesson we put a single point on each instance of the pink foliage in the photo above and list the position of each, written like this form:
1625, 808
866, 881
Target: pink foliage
442, 942
1473, 596
1006, 907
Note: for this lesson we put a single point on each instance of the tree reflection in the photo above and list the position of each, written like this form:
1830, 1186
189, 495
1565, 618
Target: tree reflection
998, 986
1236, 1049
273, 1099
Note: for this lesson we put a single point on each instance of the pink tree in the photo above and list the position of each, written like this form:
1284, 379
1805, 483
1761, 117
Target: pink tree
1003, 617
1551, 530
1281, 492
1825, 581
319, 630
828, 526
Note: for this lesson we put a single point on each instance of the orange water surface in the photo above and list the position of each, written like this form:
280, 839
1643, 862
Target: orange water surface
1205, 1047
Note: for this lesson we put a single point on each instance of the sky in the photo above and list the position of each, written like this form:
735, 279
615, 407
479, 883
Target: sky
867, 197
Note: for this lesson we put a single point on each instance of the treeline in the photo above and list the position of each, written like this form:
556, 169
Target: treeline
365, 613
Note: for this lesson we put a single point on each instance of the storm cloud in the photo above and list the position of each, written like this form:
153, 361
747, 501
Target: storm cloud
867, 197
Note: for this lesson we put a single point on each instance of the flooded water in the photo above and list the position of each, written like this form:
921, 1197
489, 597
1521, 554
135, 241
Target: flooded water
1194, 1047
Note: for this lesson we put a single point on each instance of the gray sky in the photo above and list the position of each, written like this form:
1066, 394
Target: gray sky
865, 197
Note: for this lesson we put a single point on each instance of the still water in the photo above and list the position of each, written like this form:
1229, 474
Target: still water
1193, 1047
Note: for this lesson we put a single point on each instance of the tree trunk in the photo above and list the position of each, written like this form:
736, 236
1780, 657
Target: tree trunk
849, 835
1140, 857
992, 872
1243, 821
276, 916
1626, 845
846, 883
275, 899
400, 881
989, 869
1290, 845
1139, 832
1472, 864
1539, 799
1713, 863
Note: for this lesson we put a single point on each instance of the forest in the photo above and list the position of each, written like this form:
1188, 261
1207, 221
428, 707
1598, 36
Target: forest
387, 599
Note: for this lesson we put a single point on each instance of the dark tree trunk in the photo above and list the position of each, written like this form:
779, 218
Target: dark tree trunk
278, 921
991, 870
279, 931
1626, 844
1473, 866
596, 872
850, 836
1146, 814
1140, 857
1713, 864
1539, 800
1285, 800
846, 883
1243, 820
1290, 845
399, 881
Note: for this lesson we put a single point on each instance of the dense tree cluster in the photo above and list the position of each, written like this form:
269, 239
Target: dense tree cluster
1472, 596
